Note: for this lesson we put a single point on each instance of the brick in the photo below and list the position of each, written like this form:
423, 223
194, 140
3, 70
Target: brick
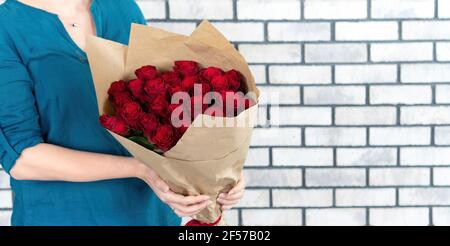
259, 73
365, 197
424, 196
336, 217
262, 119
231, 217
299, 31
279, 95
269, 10
5, 217
302, 115
441, 176
442, 93
335, 177
273, 177
276, 137
302, 157
4, 180
353, 74
5, 199
185, 28
258, 157
399, 217
335, 53
273, 53
441, 216
425, 156
366, 156
241, 31
201, 9
302, 197
402, 9
427, 115
442, 135
399, 176
367, 31
366, 115
425, 30
255, 198
153, 9
444, 9
425, 73
300, 74
336, 95
335, 9
400, 94
394, 136
388, 52
273, 217
335, 136
443, 51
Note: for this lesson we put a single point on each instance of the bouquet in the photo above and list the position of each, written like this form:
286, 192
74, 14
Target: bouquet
145, 113
185, 115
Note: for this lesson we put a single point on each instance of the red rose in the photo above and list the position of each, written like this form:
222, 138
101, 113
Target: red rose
155, 87
211, 72
114, 124
146, 73
186, 68
188, 83
230, 102
119, 99
131, 112
164, 137
171, 78
220, 83
159, 106
197, 106
205, 88
248, 102
136, 87
117, 87
235, 80
175, 89
214, 111
149, 123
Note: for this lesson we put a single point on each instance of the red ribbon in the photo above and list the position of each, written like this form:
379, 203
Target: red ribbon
195, 222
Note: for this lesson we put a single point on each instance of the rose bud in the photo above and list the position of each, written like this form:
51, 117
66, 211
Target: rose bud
117, 87
131, 112
235, 80
159, 106
146, 73
155, 87
149, 123
186, 68
119, 99
114, 124
220, 83
164, 137
136, 87
205, 88
171, 78
209, 73
175, 89
187, 84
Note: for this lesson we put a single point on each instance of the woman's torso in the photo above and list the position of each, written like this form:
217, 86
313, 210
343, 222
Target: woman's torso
68, 117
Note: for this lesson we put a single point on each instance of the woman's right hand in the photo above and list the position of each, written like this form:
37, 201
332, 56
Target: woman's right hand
183, 206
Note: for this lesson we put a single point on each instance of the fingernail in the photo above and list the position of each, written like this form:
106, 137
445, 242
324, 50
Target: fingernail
231, 193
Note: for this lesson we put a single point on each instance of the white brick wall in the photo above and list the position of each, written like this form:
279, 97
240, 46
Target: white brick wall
364, 88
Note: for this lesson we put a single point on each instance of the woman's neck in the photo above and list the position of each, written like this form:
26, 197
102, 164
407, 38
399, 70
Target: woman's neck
59, 7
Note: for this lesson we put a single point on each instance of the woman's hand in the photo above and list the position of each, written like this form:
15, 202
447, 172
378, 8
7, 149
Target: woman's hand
183, 206
228, 200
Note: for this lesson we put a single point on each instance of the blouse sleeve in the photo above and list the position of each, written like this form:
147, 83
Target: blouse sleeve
19, 120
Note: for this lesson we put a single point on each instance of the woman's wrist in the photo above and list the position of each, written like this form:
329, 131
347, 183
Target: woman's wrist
138, 168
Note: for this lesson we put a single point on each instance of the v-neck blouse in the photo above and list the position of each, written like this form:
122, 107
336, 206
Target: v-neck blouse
47, 96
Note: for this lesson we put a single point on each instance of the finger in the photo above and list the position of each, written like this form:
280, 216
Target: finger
227, 202
191, 210
238, 187
235, 196
171, 197
160, 184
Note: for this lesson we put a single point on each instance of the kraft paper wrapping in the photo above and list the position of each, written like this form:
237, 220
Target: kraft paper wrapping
209, 158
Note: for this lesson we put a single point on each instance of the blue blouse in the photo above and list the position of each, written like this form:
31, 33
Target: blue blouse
47, 96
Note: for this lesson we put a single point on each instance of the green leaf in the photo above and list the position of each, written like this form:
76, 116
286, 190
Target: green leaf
142, 141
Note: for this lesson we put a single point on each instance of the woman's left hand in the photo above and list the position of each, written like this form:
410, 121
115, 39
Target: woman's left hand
228, 200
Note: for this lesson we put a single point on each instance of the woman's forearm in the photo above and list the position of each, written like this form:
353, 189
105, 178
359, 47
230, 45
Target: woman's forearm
48, 162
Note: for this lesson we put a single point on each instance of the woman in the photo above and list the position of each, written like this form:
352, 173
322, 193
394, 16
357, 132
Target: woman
65, 168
